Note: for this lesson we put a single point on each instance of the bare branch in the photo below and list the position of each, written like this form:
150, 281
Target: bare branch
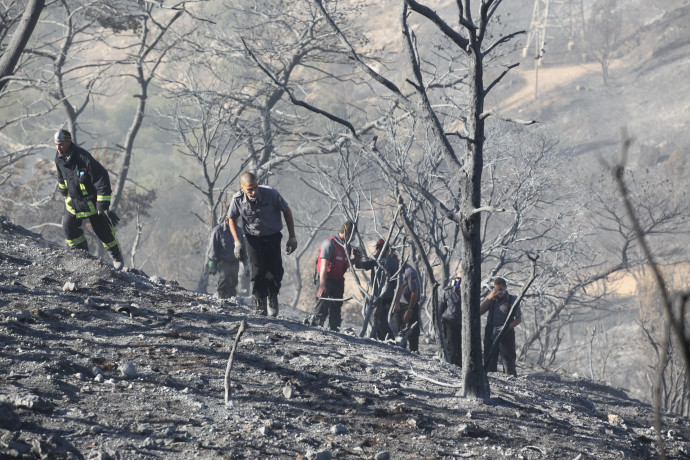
448, 31
488, 89
292, 97
228, 368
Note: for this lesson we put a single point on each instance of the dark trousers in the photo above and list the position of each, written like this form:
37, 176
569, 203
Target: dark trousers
506, 348
452, 336
266, 264
402, 326
71, 227
335, 288
381, 329
227, 278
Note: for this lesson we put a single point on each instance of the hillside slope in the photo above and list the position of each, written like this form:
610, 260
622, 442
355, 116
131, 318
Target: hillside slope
121, 365
646, 93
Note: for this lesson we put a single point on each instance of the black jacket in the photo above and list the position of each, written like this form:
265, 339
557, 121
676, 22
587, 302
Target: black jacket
450, 305
84, 181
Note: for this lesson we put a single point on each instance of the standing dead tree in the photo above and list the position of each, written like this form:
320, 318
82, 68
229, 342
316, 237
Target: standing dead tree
604, 34
146, 55
675, 305
462, 152
296, 41
15, 47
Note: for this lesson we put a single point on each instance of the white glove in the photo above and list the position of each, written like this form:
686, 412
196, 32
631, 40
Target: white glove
239, 251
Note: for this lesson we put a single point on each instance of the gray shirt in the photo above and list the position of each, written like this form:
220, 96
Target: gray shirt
262, 216
328, 248
410, 283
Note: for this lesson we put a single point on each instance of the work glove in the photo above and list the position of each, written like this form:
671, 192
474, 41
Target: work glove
291, 245
212, 269
239, 251
112, 217
102, 206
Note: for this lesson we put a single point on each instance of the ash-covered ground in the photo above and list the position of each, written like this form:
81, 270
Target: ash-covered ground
99, 364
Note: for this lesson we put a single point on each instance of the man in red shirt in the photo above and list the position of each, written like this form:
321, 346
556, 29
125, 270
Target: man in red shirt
331, 266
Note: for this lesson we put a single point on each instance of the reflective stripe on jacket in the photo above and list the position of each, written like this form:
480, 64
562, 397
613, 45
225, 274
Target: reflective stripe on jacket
84, 181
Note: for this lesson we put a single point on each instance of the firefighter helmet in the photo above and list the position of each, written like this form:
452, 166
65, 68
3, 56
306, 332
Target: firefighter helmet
62, 135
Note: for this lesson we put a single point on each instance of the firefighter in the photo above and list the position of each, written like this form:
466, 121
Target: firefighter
85, 184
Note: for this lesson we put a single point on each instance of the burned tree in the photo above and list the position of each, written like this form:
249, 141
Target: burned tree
462, 151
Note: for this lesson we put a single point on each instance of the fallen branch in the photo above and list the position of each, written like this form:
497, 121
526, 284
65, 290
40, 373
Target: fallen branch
243, 325
462, 455
336, 300
435, 382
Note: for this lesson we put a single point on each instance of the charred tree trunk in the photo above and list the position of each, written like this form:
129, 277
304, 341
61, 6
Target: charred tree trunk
15, 48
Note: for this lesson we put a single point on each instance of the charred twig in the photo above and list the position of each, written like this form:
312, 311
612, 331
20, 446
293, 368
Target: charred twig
243, 325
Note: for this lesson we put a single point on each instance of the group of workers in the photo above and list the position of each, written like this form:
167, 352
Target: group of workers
251, 233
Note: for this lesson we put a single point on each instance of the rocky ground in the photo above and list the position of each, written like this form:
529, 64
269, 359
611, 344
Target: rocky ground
96, 363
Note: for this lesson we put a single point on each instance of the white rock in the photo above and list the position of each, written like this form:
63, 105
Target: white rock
30, 401
338, 429
148, 444
99, 378
321, 455
128, 370
69, 286
287, 391
24, 314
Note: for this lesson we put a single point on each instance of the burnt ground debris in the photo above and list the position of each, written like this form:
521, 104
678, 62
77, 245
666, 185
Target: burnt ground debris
98, 363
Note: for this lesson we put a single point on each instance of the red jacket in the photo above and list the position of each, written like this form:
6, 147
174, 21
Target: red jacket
338, 264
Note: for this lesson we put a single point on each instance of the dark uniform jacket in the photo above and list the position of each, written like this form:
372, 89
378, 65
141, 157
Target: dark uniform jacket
450, 306
383, 280
84, 182
222, 244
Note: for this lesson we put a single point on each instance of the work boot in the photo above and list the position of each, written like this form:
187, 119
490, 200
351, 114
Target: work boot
116, 255
260, 306
273, 306
84, 246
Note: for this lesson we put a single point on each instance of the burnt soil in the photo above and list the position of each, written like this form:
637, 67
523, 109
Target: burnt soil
126, 365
